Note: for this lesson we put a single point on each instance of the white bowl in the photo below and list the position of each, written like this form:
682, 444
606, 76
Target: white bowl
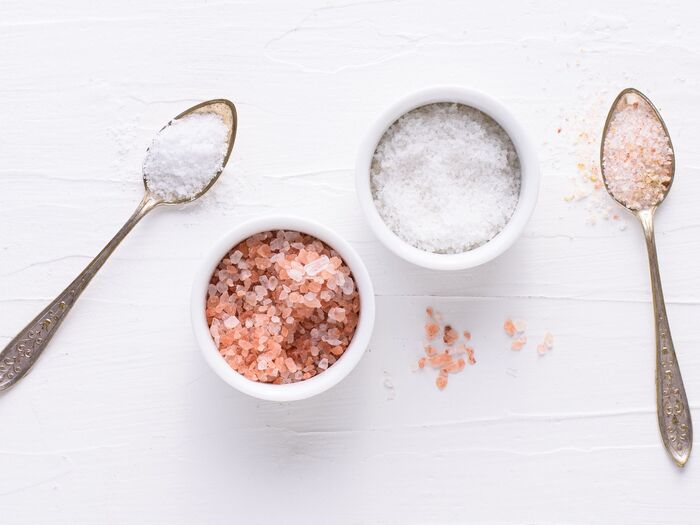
302, 389
529, 186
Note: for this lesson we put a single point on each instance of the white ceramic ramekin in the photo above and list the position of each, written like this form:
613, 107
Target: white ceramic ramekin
317, 384
529, 166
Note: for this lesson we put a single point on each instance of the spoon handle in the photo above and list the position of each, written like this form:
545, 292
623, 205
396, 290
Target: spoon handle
672, 407
23, 351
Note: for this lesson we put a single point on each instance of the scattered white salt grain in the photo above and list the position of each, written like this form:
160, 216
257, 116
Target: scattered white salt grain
185, 156
445, 178
389, 385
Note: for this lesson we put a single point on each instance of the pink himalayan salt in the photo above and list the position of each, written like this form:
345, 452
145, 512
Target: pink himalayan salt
282, 307
637, 154
444, 360
547, 343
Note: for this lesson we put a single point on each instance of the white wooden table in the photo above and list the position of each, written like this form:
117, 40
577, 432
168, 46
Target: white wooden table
122, 421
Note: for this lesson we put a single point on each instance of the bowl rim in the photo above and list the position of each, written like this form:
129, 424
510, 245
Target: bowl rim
529, 174
302, 389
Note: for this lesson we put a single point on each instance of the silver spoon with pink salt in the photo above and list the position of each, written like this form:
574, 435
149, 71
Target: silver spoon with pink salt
638, 165
183, 162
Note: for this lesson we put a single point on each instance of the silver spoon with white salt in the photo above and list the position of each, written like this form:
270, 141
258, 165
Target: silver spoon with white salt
183, 162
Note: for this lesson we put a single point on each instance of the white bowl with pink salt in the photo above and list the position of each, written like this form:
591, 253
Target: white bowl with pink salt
282, 308
447, 178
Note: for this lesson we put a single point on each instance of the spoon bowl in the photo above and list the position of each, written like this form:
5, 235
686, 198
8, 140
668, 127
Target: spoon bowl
631, 96
224, 109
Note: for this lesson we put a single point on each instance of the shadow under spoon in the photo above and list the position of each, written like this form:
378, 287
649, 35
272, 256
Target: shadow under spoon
23, 351
638, 166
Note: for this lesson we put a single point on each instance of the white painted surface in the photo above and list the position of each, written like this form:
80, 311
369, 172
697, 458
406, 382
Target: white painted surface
122, 421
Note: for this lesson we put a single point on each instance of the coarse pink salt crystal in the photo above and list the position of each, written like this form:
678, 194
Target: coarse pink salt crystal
509, 327
231, 322
450, 335
518, 343
431, 330
337, 314
290, 364
470, 356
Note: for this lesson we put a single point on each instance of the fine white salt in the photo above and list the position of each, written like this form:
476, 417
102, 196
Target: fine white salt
185, 156
445, 178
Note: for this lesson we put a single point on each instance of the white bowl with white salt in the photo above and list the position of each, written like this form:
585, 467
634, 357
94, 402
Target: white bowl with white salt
447, 178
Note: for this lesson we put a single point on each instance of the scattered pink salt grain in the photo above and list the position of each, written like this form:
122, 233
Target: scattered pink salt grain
547, 344
431, 330
470, 355
445, 360
516, 329
282, 307
509, 327
637, 154
518, 343
441, 381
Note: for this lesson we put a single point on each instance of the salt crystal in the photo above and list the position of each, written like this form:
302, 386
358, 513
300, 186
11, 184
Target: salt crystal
445, 178
272, 283
337, 314
314, 267
295, 274
185, 156
290, 364
231, 322
348, 286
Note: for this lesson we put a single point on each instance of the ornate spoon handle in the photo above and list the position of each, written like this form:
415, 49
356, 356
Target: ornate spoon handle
672, 406
23, 351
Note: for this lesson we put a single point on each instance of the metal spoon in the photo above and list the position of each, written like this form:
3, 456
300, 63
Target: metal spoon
22, 352
672, 407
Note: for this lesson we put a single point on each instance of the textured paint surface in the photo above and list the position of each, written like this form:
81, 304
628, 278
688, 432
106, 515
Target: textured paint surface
122, 421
